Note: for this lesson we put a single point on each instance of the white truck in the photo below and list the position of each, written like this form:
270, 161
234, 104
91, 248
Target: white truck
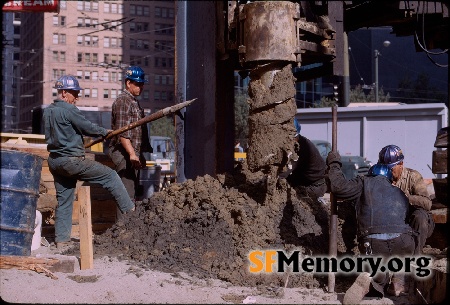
363, 129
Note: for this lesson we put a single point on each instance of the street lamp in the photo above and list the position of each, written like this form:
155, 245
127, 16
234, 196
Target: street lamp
386, 44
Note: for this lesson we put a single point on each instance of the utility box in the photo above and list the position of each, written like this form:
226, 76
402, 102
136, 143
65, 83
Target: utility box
364, 129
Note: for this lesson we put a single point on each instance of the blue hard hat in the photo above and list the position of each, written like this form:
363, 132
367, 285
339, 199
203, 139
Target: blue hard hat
381, 169
390, 155
297, 126
135, 73
69, 82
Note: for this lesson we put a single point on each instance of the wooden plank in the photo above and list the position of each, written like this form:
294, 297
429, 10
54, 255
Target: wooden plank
86, 242
439, 162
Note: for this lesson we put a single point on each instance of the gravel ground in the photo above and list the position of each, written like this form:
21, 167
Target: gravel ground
122, 282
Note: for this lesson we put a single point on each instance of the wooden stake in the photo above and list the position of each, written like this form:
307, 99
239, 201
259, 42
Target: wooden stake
85, 224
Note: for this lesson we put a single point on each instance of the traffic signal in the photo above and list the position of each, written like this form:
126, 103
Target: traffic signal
338, 94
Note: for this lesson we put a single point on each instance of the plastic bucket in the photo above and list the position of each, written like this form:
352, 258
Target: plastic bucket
149, 180
20, 176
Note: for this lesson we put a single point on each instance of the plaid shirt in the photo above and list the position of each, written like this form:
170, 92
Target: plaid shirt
126, 110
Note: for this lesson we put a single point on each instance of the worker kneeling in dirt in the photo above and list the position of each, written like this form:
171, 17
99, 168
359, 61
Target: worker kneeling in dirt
381, 211
308, 171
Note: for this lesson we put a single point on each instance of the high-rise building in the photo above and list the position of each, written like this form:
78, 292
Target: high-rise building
10, 70
96, 41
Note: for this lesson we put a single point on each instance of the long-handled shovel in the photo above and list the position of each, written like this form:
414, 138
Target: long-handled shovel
151, 117
333, 207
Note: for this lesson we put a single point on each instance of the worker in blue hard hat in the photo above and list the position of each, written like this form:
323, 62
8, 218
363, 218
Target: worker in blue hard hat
64, 126
412, 184
382, 230
127, 149
307, 171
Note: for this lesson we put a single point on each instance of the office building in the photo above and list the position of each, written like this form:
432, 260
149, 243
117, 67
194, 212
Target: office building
96, 41
10, 71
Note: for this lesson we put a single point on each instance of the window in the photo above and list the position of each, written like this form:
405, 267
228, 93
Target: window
164, 29
55, 38
87, 57
55, 55
87, 75
106, 7
95, 76
113, 93
79, 57
164, 12
87, 92
139, 10
80, 74
105, 76
54, 92
146, 94
95, 57
105, 93
80, 40
94, 93
106, 42
58, 73
157, 95
62, 56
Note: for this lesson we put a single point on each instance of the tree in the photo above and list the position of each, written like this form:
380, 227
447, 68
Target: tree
164, 127
241, 110
420, 90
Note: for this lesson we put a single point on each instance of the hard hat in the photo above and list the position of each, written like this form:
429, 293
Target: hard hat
381, 169
297, 126
390, 155
67, 82
136, 74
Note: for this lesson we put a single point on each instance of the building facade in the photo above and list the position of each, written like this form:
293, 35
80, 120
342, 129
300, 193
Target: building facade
10, 71
96, 41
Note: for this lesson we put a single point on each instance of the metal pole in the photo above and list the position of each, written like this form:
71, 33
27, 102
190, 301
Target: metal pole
346, 77
332, 246
376, 75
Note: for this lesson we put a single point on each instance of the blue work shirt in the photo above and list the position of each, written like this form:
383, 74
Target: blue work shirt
65, 126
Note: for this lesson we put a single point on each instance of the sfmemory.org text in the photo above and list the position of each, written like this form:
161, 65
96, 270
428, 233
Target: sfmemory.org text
269, 261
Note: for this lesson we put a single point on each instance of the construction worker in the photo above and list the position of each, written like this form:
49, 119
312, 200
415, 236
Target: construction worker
381, 211
412, 184
308, 171
65, 126
126, 149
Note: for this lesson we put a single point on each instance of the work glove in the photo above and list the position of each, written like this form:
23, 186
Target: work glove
334, 157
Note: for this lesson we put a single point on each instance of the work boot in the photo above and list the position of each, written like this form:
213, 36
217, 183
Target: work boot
358, 290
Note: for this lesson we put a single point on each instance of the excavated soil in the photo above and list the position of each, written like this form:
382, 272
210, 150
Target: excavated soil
208, 226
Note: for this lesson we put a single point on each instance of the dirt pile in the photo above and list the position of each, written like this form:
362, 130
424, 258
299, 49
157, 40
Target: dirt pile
208, 226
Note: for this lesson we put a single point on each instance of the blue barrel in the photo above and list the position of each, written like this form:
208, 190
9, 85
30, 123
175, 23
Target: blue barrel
20, 177
149, 180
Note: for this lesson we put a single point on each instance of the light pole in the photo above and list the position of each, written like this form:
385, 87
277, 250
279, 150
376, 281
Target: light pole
386, 44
